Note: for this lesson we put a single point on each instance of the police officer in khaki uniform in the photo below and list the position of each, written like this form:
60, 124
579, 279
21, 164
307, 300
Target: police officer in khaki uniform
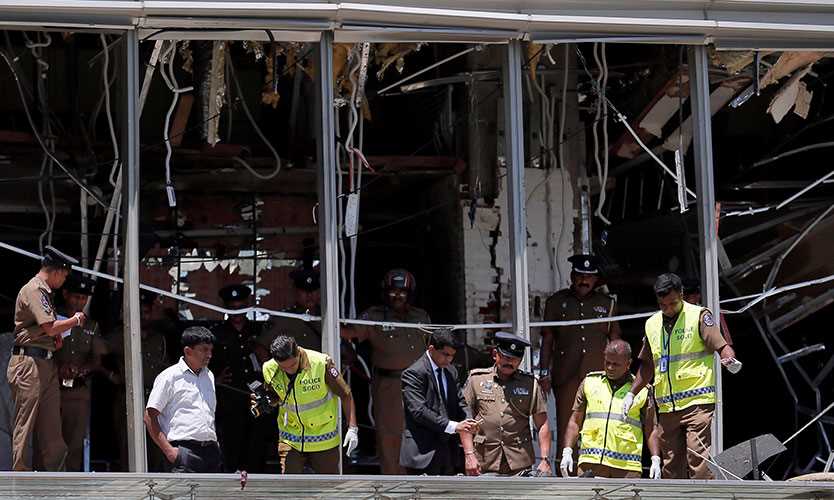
155, 359
235, 364
393, 349
571, 352
32, 375
307, 334
502, 399
77, 360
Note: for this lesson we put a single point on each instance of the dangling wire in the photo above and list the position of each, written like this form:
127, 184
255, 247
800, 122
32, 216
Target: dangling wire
170, 79
258, 131
601, 119
108, 112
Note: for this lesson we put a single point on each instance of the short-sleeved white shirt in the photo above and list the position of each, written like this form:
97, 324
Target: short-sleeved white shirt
186, 403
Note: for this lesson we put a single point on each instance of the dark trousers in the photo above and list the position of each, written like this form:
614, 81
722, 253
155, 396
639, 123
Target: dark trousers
245, 440
196, 456
442, 463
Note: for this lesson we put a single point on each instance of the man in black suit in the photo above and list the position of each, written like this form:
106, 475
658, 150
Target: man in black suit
434, 409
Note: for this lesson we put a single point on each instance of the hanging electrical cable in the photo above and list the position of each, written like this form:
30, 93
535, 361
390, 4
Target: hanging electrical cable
46, 164
46, 214
107, 110
168, 57
605, 146
347, 212
258, 131
601, 119
358, 78
561, 151
340, 214
622, 119
38, 137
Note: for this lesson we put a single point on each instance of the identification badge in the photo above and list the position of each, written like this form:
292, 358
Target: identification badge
664, 364
521, 391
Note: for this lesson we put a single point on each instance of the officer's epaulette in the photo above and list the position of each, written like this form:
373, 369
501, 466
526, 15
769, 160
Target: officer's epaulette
479, 371
596, 374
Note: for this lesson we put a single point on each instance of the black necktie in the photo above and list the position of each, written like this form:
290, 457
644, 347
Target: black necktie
440, 383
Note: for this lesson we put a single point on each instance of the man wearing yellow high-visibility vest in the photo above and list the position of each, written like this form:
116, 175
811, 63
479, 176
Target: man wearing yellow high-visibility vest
307, 385
678, 352
612, 443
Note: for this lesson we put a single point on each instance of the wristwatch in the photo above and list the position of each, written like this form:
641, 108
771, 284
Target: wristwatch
544, 372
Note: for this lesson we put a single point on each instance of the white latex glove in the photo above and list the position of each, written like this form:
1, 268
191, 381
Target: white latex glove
351, 441
628, 400
654, 470
732, 365
566, 465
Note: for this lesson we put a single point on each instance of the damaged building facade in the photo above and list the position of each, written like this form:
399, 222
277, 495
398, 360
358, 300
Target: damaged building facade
186, 146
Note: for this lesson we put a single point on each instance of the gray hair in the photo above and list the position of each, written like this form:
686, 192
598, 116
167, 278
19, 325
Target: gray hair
618, 346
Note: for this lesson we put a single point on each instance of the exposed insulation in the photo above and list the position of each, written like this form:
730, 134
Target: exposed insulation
386, 54
787, 63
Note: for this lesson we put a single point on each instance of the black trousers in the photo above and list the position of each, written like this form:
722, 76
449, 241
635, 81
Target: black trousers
442, 464
196, 456
245, 440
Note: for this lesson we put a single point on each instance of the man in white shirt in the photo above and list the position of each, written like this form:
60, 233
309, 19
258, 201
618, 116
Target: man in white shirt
180, 410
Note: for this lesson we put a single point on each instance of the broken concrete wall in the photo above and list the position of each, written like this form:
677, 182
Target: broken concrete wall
487, 251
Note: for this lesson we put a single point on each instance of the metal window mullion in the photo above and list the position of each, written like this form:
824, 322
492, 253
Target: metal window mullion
135, 395
514, 155
704, 175
328, 234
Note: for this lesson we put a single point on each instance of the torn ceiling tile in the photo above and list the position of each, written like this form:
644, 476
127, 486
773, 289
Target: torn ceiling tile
717, 100
803, 101
666, 106
785, 98
386, 54
735, 61
660, 110
787, 63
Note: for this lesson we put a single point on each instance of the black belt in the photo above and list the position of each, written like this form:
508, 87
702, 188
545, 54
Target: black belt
35, 352
382, 372
189, 443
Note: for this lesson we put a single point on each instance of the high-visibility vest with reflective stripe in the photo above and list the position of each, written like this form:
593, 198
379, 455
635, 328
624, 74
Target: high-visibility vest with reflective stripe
308, 417
689, 378
608, 437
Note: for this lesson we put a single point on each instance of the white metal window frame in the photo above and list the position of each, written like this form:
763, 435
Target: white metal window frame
789, 24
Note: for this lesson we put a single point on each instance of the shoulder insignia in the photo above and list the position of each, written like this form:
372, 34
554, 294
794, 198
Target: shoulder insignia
479, 371
708, 319
596, 374
46, 302
334, 372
